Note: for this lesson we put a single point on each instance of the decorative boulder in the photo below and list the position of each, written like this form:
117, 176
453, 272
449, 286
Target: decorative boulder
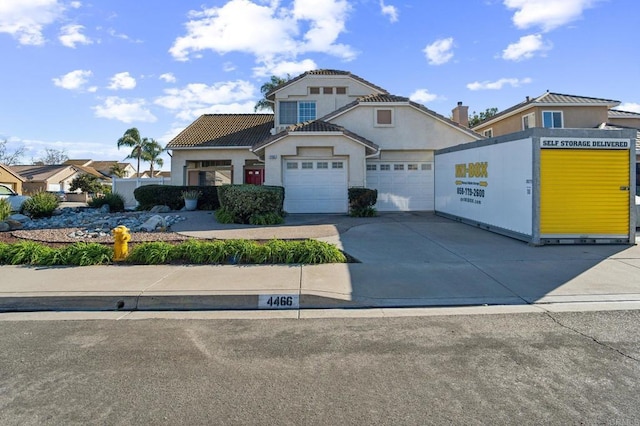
4, 227
152, 223
19, 218
13, 224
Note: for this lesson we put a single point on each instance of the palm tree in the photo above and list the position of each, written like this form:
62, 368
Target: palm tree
131, 138
117, 170
266, 88
151, 151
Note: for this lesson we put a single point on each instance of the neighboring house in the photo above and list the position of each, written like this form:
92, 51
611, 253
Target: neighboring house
11, 179
46, 178
331, 130
103, 167
156, 174
551, 110
561, 111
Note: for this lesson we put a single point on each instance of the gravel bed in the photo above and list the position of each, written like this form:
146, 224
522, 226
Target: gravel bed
60, 235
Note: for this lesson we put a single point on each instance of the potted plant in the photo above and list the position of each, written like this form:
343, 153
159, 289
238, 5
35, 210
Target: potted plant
191, 198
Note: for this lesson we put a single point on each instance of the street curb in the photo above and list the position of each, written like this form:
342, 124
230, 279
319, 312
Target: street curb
250, 302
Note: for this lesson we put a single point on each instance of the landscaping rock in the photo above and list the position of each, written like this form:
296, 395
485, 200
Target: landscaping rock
4, 227
19, 217
105, 208
94, 222
160, 209
13, 224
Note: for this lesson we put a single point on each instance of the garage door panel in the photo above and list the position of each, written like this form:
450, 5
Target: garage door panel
316, 190
400, 188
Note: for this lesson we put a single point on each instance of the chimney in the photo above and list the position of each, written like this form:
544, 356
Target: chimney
461, 114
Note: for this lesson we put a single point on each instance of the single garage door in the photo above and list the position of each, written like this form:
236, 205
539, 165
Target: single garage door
315, 186
402, 186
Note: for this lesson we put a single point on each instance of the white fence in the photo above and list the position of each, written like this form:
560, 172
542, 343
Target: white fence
125, 188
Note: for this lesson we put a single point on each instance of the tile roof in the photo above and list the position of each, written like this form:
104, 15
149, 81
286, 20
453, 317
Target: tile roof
220, 130
616, 113
328, 73
315, 126
608, 126
41, 173
549, 98
387, 98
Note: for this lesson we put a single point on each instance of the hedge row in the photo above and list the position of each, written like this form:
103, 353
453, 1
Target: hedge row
171, 195
190, 252
255, 204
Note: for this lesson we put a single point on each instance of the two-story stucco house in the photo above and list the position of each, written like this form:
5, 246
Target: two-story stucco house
330, 130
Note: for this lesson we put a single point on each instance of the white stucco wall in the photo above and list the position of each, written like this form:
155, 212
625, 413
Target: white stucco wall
412, 129
293, 146
325, 104
237, 156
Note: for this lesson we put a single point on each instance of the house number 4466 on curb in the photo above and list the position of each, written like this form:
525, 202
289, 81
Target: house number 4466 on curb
279, 301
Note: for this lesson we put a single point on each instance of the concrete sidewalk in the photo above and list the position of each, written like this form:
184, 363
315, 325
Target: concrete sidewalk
407, 260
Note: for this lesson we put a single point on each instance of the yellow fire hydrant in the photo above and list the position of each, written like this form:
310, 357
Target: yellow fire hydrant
121, 237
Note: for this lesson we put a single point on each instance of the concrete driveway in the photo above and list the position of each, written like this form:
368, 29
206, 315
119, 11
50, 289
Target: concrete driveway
421, 257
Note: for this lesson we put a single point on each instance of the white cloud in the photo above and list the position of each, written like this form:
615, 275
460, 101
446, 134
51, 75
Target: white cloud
75, 4
74, 80
498, 84
629, 106
196, 99
70, 35
25, 20
526, 48
168, 77
281, 69
390, 11
127, 111
122, 80
423, 96
547, 14
439, 52
266, 30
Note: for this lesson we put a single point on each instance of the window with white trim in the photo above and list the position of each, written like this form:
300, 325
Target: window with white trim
292, 112
528, 121
412, 167
488, 133
292, 165
398, 167
385, 167
372, 167
337, 165
322, 165
552, 119
307, 164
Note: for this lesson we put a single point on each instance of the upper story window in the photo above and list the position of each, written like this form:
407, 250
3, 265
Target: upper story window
488, 133
552, 119
296, 112
327, 90
528, 121
383, 117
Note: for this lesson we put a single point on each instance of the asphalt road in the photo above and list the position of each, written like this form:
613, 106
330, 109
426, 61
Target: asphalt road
571, 368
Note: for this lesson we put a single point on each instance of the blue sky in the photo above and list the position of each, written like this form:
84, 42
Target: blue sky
77, 74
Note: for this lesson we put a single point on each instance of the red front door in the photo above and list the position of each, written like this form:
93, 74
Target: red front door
254, 176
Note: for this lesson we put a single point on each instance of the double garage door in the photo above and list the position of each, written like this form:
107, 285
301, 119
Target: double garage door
315, 186
320, 186
402, 186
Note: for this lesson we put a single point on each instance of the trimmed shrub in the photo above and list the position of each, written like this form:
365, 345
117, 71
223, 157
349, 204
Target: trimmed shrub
171, 195
41, 204
114, 200
361, 202
261, 203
